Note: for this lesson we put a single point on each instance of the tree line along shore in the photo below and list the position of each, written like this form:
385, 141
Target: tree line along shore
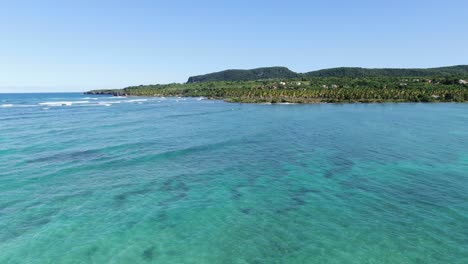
313, 90
335, 85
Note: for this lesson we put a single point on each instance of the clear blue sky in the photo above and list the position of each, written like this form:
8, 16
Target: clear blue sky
80, 45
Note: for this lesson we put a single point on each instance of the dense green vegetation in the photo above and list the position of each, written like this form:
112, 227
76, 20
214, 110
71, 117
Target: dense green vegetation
285, 73
245, 75
315, 90
362, 72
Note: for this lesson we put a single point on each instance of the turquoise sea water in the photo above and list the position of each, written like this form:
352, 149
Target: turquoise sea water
182, 180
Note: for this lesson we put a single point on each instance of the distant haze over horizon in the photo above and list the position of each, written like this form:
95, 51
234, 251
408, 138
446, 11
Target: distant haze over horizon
54, 46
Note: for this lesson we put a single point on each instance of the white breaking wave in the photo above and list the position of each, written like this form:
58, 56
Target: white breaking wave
57, 103
16, 105
137, 100
109, 103
67, 103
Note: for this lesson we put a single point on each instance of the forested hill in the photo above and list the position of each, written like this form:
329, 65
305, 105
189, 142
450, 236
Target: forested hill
363, 72
246, 75
285, 73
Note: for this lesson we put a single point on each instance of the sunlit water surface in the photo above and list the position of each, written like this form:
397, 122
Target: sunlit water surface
98, 179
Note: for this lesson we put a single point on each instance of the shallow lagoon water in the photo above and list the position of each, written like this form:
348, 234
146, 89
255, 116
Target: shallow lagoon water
99, 179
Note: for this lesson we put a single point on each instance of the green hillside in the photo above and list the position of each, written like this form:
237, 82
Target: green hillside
246, 75
285, 73
363, 72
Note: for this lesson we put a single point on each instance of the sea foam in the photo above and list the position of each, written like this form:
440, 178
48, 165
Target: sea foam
16, 105
68, 103
56, 103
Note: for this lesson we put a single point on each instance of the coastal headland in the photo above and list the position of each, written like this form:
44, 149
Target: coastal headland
337, 85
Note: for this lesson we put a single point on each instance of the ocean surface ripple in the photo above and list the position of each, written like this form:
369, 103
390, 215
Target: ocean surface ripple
184, 180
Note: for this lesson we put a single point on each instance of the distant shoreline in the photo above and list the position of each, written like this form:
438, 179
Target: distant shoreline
338, 85
295, 92
283, 101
